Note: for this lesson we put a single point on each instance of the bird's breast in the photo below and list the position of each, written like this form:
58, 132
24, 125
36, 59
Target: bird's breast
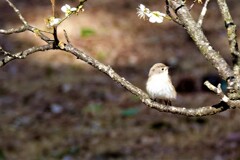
160, 86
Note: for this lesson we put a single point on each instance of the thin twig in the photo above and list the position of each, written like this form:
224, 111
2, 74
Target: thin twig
82, 2
39, 34
203, 13
18, 13
190, 8
25, 53
53, 7
23, 28
217, 90
13, 30
66, 36
6, 53
69, 15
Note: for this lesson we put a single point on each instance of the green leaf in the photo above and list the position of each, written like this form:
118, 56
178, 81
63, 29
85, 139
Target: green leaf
87, 32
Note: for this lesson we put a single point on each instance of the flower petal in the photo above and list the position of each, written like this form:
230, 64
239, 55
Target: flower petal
73, 9
142, 7
65, 8
54, 22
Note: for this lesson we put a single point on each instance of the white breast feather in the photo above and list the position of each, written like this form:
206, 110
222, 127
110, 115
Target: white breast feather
158, 86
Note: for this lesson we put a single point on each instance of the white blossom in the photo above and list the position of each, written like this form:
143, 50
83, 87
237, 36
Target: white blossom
68, 10
153, 16
156, 17
142, 11
53, 21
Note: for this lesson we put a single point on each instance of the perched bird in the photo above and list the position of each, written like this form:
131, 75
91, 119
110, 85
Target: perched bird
159, 85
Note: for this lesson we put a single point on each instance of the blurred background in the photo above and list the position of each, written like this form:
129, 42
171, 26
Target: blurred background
55, 107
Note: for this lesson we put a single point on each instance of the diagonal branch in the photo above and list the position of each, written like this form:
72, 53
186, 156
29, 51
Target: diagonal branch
6, 53
217, 90
82, 2
24, 27
202, 14
231, 29
200, 39
202, 111
192, 5
18, 13
66, 36
232, 39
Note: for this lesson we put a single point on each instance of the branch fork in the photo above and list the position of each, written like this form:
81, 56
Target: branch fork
217, 90
183, 17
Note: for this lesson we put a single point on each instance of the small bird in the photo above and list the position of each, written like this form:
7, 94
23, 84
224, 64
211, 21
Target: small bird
159, 85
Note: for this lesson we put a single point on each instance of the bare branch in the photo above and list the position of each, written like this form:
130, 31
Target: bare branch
195, 32
6, 53
82, 2
66, 36
53, 7
25, 28
203, 13
18, 13
39, 33
232, 39
230, 26
202, 111
13, 30
217, 90
175, 19
200, 39
24, 54
190, 8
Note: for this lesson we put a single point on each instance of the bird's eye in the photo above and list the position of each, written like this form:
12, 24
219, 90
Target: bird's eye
162, 69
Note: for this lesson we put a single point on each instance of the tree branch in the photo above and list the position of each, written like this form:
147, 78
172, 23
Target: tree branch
202, 111
66, 36
168, 12
231, 29
13, 30
18, 13
192, 5
232, 39
203, 13
193, 30
39, 33
24, 54
200, 39
217, 90
5, 53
